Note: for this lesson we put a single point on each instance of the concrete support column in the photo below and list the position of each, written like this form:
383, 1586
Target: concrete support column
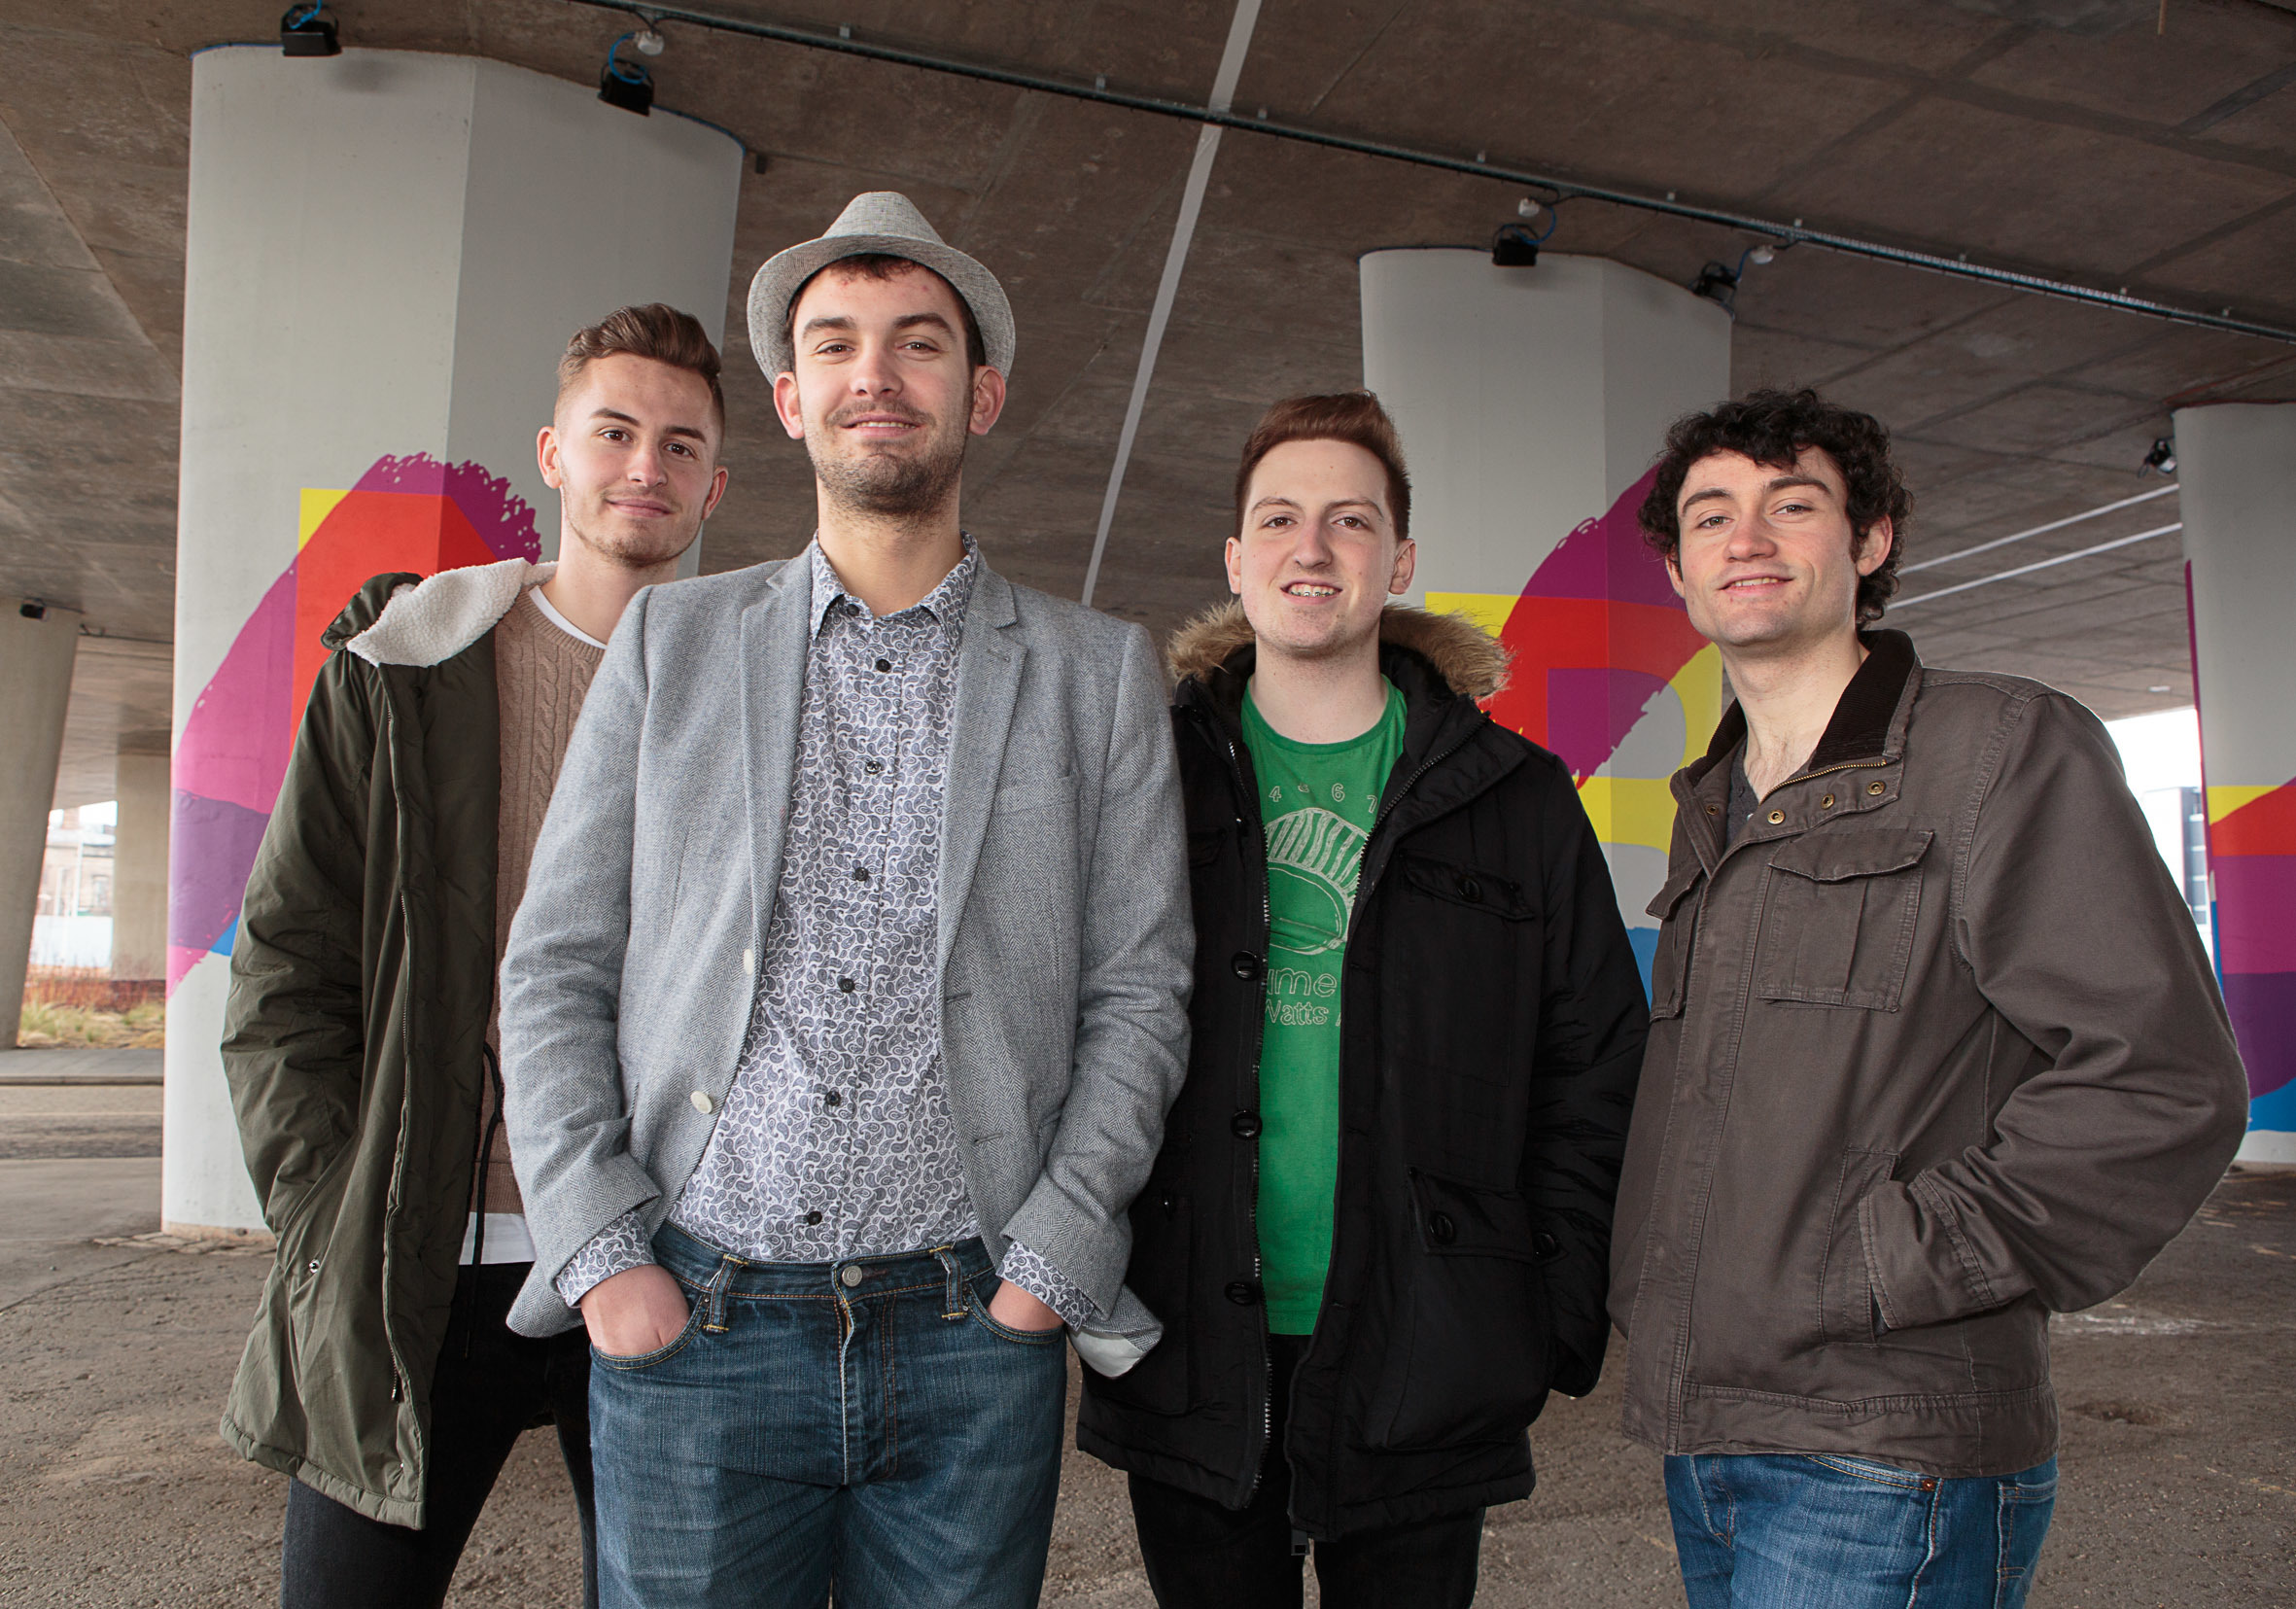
1532, 401
139, 869
2236, 463
36, 648
385, 252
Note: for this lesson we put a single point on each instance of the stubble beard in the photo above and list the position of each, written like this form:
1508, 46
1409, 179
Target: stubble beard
889, 485
597, 530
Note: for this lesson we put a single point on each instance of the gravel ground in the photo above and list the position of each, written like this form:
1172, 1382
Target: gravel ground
2178, 1464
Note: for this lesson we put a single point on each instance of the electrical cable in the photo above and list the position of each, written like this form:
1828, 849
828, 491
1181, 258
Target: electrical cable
843, 43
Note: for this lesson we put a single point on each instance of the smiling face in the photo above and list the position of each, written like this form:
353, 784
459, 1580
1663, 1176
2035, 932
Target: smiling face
1317, 556
1768, 561
882, 395
632, 450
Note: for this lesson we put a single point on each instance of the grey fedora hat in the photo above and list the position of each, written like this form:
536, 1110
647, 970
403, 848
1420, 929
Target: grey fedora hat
877, 221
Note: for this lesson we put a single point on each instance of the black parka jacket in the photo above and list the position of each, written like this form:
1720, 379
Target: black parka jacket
354, 1036
1493, 1023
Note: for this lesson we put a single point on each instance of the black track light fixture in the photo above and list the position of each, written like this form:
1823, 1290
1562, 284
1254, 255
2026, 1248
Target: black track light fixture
627, 83
1514, 245
305, 30
2162, 460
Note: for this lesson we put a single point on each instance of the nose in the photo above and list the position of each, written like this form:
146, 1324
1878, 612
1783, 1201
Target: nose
1752, 539
874, 374
1314, 552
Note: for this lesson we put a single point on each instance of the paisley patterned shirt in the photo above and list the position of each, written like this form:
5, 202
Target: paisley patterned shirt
835, 1139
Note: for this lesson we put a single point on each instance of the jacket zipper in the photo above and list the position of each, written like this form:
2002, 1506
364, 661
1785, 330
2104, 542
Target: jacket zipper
1252, 1204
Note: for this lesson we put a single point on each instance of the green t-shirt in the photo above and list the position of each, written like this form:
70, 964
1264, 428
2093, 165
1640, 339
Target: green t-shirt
1317, 803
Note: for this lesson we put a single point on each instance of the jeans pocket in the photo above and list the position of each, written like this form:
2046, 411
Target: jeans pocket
1005, 1332
669, 1348
1868, 1469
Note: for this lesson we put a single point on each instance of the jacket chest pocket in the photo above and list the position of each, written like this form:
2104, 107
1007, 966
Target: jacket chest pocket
1838, 926
1677, 920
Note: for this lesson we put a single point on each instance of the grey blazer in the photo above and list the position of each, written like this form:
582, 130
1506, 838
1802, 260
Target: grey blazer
1066, 943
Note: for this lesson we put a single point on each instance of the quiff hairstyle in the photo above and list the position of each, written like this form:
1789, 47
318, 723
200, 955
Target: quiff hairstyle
1351, 416
884, 265
1772, 428
654, 330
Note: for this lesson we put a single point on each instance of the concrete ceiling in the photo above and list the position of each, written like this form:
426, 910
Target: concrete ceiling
2111, 142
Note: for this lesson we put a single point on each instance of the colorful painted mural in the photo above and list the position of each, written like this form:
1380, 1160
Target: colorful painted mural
2253, 865
1609, 673
411, 514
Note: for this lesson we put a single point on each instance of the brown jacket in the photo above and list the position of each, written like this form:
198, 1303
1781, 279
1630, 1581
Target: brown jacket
1934, 1050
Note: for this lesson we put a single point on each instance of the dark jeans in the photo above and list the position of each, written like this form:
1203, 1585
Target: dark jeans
862, 1427
1202, 1556
482, 1400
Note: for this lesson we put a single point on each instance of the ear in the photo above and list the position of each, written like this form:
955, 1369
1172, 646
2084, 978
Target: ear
786, 408
987, 400
1234, 560
1674, 573
717, 490
546, 452
1874, 547
1406, 562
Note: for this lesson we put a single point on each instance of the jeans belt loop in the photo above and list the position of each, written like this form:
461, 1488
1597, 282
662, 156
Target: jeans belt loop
713, 1295
953, 1305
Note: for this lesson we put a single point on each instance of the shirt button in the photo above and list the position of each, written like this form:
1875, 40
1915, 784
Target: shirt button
884, 664
703, 1104
813, 1218
833, 1099
860, 874
845, 986
873, 767
852, 1277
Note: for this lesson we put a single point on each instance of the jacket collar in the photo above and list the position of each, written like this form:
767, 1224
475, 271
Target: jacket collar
430, 622
1868, 721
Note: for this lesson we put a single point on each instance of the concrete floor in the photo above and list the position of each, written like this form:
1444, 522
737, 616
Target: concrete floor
2179, 1465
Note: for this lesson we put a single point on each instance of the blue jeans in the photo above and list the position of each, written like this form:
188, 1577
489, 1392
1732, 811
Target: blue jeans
1825, 1531
863, 1425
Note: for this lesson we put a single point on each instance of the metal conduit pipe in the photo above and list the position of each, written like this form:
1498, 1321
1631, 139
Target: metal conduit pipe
2082, 517
844, 43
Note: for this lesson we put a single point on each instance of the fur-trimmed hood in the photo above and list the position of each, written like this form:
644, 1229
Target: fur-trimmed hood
430, 622
1468, 658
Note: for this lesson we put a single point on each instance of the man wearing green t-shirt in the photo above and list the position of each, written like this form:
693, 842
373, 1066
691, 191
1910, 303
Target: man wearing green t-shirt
1378, 1228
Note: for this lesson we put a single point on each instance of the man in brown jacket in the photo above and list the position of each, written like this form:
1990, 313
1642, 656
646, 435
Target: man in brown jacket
1935, 1052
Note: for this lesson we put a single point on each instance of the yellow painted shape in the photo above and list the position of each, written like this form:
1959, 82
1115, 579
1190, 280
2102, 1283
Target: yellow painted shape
1699, 685
1630, 810
317, 506
1489, 611
2223, 801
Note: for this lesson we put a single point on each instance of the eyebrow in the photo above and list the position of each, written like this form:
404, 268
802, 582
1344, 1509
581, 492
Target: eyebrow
693, 430
1776, 483
1278, 500
838, 321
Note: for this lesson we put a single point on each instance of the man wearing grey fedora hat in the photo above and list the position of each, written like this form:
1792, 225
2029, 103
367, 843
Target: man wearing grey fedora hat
840, 1035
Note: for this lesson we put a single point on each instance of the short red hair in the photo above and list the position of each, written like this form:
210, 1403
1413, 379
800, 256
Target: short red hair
1351, 416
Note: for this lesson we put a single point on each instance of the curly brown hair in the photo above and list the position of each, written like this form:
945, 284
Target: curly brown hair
1772, 428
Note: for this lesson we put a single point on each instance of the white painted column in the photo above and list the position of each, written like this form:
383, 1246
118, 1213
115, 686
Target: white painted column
36, 648
2236, 463
139, 869
1532, 403
385, 252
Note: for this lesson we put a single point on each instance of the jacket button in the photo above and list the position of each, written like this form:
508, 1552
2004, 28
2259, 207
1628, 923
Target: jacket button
702, 1102
1470, 890
1243, 1292
1777, 815
1245, 1124
1826, 803
1439, 1228
1714, 810
1244, 965
1877, 789
1544, 1245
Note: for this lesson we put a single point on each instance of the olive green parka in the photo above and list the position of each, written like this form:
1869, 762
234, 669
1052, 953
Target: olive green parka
355, 1037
